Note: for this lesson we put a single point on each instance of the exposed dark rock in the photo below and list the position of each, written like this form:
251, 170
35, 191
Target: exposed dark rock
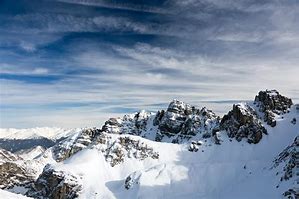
289, 159
132, 179
294, 120
179, 122
55, 184
291, 194
194, 146
242, 122
184, 121
175, 117
158, 118
72, 145
116, 152
271, 103
130, 124
12, 171
289, 156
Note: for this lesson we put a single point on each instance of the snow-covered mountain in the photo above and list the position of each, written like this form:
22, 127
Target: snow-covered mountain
181, 152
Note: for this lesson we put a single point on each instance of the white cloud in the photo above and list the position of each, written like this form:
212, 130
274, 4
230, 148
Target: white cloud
121, 6
210, 55
27, 46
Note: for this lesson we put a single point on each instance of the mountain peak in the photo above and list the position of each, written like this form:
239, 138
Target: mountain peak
271, 103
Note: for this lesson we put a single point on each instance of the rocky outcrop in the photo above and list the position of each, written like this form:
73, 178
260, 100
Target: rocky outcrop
66, 148
12, 171
55, 184
178, 123
8, 156
291, 194
272, 103
194, 146
115, 149
289, 156
288, 161
184, 121
126, 147
132, 179
132, 124
242, 123
118, 149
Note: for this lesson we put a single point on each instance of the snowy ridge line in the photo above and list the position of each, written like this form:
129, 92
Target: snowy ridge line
180, 152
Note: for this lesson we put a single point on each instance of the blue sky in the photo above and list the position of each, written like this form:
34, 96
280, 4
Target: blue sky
75, 63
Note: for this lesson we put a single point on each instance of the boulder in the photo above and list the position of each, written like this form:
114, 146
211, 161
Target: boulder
132, 179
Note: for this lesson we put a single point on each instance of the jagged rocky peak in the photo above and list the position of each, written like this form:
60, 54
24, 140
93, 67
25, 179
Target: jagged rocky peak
56, 184
184, 121
129, 124
271, 103
171, 121
179, 122
179, 107
242, 122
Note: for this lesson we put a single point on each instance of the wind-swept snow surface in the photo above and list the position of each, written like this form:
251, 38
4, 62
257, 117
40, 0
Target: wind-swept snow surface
230, 170
8, 195
242, 156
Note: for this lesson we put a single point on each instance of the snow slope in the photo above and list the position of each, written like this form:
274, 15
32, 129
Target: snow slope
132, 164
230, 170
8, 195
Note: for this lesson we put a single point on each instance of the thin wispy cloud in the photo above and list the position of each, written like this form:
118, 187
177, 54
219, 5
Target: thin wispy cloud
75, 63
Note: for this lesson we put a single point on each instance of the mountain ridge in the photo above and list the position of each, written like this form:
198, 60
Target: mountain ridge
180, 140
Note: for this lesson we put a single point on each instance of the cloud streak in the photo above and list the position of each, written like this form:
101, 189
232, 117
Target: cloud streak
75, 63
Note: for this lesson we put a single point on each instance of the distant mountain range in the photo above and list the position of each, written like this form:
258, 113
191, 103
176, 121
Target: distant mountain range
184, 151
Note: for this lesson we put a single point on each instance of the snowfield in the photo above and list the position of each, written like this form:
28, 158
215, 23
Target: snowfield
8, 195
230, 170
87, 160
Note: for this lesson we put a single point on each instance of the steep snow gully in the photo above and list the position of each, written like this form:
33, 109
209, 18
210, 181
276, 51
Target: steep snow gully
252, 152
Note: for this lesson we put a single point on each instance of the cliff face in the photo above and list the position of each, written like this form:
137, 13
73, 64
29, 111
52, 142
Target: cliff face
242, 122
55, 184
272, 103
287, 163
179, 123
134, 153
13, 171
